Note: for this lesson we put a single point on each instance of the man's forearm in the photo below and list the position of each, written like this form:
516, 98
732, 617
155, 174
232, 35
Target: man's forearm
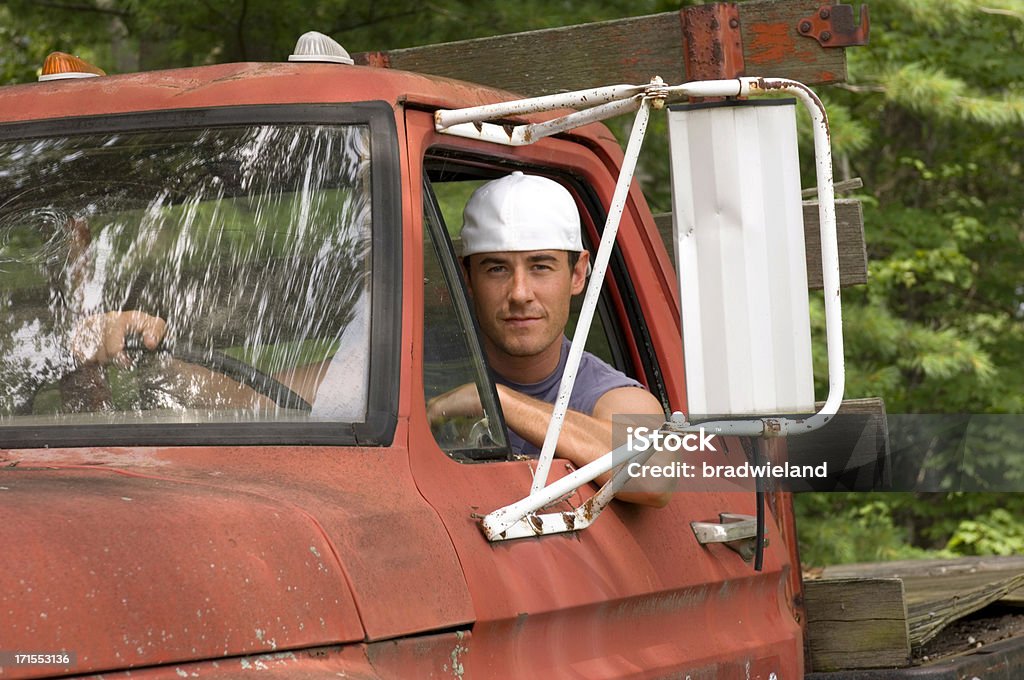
582, 440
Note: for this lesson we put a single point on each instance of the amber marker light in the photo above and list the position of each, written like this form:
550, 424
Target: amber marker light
59, 65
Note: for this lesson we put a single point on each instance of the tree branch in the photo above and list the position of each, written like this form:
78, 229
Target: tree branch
860, 88
213, 10
374, 21
1002, 12
240, 31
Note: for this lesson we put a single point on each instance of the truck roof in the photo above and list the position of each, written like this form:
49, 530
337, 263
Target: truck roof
238, 84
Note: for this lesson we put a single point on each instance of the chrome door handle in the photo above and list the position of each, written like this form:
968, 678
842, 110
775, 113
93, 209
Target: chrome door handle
736, 531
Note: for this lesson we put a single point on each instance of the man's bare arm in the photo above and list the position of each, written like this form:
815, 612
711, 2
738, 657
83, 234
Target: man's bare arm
583, 438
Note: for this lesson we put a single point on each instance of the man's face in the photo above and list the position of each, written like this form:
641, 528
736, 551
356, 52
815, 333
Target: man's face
522, 298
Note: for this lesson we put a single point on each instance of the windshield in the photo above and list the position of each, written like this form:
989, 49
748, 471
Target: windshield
196, 276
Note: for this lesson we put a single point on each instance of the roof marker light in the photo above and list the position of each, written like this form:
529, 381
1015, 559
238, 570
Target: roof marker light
315, 46
60, 65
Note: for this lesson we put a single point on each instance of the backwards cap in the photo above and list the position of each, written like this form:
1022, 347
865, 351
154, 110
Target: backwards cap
519, 213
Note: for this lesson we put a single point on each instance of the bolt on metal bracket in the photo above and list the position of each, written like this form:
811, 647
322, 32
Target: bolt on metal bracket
834, 26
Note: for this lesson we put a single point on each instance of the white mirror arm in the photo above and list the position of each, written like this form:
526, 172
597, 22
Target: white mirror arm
600, 267
519, 520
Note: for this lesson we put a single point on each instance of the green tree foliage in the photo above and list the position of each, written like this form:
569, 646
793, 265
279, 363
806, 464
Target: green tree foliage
28, 36
934, 107
937, 102
836, 529
128, 35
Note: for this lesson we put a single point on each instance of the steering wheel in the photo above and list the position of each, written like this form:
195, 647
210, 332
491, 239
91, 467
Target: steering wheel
91, 390
242, 373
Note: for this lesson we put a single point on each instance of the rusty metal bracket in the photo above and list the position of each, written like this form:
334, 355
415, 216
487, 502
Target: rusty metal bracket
833, 26
712, 43
375, 59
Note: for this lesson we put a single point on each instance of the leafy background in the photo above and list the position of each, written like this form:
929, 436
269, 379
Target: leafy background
931, 119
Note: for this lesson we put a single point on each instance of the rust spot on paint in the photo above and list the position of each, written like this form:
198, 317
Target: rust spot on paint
375, 59
712, 45
588, 509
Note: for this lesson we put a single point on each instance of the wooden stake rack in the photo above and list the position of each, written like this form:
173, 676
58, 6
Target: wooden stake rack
875, 615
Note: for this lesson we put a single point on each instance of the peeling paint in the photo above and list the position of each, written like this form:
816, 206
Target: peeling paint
457, 667
769, 43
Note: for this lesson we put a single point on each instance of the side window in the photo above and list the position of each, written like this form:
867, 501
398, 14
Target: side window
452, 357
451, 342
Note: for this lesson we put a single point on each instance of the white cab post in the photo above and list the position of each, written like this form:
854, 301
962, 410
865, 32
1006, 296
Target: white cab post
739, 239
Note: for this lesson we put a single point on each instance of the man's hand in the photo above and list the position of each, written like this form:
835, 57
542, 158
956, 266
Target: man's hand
100, 338
463, 401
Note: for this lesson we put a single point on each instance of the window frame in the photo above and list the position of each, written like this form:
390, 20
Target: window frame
618, 308
378, 428
452, 271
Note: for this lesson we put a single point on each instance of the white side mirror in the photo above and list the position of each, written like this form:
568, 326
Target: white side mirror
739, 239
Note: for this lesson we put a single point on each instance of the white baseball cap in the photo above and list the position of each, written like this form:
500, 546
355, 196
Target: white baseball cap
519, 213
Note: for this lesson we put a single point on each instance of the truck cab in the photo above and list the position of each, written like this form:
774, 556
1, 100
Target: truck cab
180, 511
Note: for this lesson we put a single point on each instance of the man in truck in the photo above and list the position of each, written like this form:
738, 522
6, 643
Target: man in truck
523, 260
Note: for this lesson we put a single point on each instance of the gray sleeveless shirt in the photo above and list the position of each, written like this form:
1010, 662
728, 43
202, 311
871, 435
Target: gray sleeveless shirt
593, 380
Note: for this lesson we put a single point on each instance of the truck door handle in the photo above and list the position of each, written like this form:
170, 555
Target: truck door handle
737, 532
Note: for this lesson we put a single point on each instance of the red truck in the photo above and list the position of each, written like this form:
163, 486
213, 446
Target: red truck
184, 513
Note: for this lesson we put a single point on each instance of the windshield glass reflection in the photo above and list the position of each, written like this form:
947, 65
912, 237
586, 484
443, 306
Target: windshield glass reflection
185, 276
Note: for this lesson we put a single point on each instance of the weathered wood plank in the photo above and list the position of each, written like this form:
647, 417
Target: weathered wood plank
929, 615
922, 589
927, 568
921, 575
772, 42
558, 59
840, 187
874, 622
856, 623
853, 253
938, 592
853, 258
855, 445
630, 50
